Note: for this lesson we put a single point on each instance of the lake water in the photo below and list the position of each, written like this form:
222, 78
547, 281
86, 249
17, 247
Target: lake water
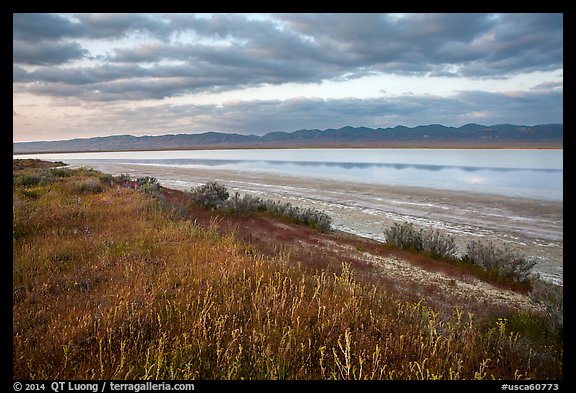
536, 174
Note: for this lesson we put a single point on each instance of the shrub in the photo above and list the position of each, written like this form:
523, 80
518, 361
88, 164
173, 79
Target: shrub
505, 261
30, 180
148, 185
315, 219
433, 241
438, 243
308, 216
216, 196
61, 172
404, 236
245, 204
549, 296
211, 195
106, 178
87, 171
124, 180
89, 186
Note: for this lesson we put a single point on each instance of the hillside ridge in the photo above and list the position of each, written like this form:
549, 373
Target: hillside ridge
433, 135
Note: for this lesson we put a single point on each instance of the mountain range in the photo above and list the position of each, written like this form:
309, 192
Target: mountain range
434, 135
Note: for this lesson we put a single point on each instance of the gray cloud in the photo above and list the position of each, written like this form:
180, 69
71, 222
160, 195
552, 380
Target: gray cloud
206, 69
126, 81
41, 39
78, 76
178, 54
117, 25
46, 52
36, 27
231, 51
547, 87
262, 116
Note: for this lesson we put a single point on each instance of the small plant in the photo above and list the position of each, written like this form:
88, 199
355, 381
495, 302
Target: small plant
30, 180
316, 219
124, 177
61, 172
148, 185
89, 186
216, 196
211, 195
106, 178
245, 204
404, 236
505, 261
438, 243
491, 260
433, 241
551, 297
308, 216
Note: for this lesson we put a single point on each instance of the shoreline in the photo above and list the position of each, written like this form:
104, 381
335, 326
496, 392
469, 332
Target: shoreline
298, 147
533, 227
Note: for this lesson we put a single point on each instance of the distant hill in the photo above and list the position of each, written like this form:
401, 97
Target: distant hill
433, 135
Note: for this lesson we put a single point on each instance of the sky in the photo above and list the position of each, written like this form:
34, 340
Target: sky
88, 75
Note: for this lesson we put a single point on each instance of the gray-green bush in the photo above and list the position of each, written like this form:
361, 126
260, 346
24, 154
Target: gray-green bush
216, 196
148, 185
211, 195
41, 177
504, 260
433, 241
438, 243
106, 178
404, 236
30, 180
307, 216
245, 204
89, 186
61, 172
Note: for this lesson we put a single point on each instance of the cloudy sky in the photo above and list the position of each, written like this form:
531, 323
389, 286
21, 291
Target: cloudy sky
85, 75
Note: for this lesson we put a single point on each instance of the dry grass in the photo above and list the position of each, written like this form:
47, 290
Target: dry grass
108, 285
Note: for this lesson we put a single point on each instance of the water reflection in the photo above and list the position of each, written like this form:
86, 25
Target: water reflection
527, 173
317, 164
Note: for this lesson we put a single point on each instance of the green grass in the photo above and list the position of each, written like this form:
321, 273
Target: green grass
109, 285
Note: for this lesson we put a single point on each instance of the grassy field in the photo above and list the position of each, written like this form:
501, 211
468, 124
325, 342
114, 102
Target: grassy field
113, 283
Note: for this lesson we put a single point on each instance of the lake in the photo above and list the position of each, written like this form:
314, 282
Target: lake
535, 174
